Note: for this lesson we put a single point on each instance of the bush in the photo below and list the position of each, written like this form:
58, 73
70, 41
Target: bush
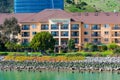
116, 51
112, 46
61, 54
4, 54
50, 51
88, 54
73, 54
93, 48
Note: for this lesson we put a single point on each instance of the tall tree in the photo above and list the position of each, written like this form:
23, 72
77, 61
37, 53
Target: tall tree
71, 44
10, 29
43, 41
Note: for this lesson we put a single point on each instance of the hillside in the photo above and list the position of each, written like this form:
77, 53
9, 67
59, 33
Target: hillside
92, 5
6, 6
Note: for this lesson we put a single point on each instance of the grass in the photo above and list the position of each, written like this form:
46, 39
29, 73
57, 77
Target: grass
103, 5
69, 54
22, 53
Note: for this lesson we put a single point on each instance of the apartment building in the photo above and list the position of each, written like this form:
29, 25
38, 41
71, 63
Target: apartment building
83, 28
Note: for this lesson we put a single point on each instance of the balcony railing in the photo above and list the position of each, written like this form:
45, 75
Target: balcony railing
117, 41
75, 35
96, 42
96, 28
64, 27
116, 28
116, 35
25, 28
25, 35
55, 34
95, 35
64, 34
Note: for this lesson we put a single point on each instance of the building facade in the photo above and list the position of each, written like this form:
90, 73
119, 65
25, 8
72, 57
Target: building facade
96, 28
33, 6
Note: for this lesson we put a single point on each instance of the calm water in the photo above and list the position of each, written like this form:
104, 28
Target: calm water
24, 75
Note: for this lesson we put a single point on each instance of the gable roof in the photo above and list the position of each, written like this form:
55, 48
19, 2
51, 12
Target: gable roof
45, 15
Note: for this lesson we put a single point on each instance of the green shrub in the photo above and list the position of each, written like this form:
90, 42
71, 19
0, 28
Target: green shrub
73, 54
88, 54
3, 54
60, 54
116, 51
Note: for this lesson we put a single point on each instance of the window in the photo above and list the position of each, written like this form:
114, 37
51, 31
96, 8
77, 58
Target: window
85, 33
25, 41
106, 25
75, 33
54, 26
25, 34
86, 39
26, 27
75, 26
95, 27
64, 33
33, 33
34, 26
86, 26
54, 33
106, 32
44, 27
116, 27
76, 40
64, 26
106, 39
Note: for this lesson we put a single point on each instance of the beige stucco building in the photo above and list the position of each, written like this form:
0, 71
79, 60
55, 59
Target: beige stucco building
84, 28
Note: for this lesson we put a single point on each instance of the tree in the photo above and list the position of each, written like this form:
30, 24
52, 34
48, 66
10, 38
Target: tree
71, 44
117, 51
10, 29
10, 46
6, 6
93, 47
86, 46
112, 46
43, 41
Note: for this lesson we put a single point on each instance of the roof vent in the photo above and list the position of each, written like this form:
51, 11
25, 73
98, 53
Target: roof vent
107, 14
116, 13
96, 13
86, 14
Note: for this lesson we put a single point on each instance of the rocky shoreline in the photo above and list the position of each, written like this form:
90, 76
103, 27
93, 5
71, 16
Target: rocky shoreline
89, 64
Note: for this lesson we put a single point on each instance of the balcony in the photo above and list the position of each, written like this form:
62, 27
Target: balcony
55, 34
116, 28
117, 41
64, 26
75, 27
44, 27
25, 35
95, 35
64, 34
54, 26
25, 28
116, 35
96, 42
98, 28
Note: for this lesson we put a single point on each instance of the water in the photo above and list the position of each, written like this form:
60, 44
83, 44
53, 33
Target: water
54, 75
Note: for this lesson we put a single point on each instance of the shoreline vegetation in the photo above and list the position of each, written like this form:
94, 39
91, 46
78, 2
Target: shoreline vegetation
85, 64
